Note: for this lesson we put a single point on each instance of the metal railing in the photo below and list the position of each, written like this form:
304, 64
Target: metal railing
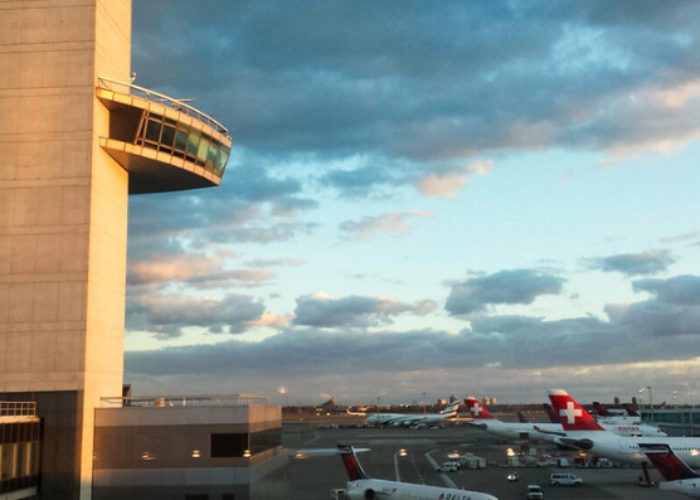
176, 104
180, 401
17, 408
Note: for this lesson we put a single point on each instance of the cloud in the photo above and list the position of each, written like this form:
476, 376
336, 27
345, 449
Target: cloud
392, 224
412, 82
518, 286
294, 262
199, 271
509, 346
680, 290
321, 310
167, 314
631, 264
448, 184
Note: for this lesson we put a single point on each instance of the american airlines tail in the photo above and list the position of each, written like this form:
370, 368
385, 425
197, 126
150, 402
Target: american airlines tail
476, 409
571, 415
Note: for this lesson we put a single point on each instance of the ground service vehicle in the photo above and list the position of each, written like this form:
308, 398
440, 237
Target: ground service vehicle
564, 479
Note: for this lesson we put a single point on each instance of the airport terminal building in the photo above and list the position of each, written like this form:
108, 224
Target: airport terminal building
77, 138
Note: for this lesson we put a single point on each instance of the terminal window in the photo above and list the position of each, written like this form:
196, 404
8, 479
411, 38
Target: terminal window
228, 445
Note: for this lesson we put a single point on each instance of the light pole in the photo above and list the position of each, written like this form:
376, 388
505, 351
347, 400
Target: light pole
651, 404
641, 399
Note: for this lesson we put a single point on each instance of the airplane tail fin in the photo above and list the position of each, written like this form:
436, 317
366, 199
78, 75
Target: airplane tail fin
451, 409
476, 409
571, 415
351, 463
601, 409
551, 413
631, 411
667, 463
522, 418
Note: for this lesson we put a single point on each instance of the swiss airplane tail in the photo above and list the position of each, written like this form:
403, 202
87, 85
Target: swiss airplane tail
522, 418
351, 463
667, 463
476, 409
571, 415
553, 417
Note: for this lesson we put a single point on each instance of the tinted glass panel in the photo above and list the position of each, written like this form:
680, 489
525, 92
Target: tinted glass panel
181, 140
153, 131
168, 135
192, 143
203, 149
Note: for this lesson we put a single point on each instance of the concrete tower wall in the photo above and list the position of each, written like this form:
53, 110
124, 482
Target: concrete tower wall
63, 213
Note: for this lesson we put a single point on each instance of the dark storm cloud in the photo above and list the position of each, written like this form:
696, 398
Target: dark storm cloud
167, 315
631, 264
353, 311
424, 80
517, 286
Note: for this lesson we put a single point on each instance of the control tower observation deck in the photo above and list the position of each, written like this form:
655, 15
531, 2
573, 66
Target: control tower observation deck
76, 139
164, 143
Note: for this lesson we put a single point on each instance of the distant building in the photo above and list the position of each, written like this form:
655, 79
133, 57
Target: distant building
78, 137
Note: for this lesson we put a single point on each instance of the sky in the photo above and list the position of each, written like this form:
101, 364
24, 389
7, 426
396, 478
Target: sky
424, 199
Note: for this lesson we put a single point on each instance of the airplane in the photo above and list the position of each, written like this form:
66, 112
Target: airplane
530, 430
408, 419
617, 416
509, 430
360, 486
678, 476
583, 432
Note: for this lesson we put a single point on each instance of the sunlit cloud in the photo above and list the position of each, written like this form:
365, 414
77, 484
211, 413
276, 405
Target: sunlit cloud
392, 224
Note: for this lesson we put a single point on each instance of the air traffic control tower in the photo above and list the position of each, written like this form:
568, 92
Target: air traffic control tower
76, 138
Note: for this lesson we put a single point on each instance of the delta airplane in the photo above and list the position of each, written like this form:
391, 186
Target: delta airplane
583, 432
362, 487
678, 476
408, 419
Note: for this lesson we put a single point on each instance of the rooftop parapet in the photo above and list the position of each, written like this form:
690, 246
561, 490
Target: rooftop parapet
180, 401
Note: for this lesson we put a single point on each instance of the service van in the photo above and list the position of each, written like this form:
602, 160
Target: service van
564, 479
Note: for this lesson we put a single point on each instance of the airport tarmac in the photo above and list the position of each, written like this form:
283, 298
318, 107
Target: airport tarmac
315, 477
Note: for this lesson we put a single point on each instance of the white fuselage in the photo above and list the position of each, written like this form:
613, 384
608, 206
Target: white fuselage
526, 430
626, 448
629, 429
407, 491
517, 430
